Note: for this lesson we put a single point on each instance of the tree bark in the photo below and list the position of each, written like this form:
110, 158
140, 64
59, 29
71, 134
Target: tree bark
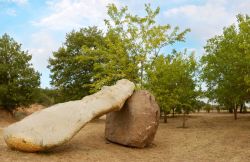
244, 108
10, 109
241, 108
230, 110
165, 117
235, 112
184, 120
173, 112
142, 66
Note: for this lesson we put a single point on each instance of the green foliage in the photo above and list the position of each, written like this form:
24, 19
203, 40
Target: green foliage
47, 97
18, 80
226, 65
198, 105
207, 108
71, 75
143, 38
89, 60
170, 78
111, 62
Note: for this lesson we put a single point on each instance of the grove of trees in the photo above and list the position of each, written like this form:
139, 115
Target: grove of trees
171, 79
134, 47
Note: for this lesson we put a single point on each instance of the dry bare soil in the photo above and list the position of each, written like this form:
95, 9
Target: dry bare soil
209, 137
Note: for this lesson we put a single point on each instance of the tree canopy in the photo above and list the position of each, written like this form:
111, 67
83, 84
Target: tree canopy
226, 64
171, 79
69, 74
90, 58
18, 79
142, 36
111, 62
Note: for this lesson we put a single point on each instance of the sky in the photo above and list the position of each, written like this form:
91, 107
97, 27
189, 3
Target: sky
40, 25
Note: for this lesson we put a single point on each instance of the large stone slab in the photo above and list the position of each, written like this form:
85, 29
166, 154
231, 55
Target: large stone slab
57, 124
136, 123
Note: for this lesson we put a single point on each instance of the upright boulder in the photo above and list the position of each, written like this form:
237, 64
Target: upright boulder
136, 123
57, 124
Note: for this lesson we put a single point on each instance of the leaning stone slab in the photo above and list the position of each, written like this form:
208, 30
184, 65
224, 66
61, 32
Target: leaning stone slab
135, 125
57, 124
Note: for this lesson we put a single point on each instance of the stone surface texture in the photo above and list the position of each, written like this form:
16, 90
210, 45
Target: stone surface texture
135, 125
57, 124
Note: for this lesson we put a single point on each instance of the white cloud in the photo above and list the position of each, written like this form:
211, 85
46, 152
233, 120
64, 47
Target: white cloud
208, 19
189, 50
69, 14
204, 20
62, 17
41, 46
19, 2
243, 7
11, 12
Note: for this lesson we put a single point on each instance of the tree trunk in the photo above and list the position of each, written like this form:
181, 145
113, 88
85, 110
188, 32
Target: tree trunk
244, 108
235, 112
10, 109
241, 108
173, 112
230, 110
184, 120
142, 66
165, 117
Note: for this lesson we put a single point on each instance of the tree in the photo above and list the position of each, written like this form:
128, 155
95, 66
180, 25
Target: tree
47, 97
18, 79
226, 65
171, 79
207, 108
186, 108
111, 62
89, 60
142, 36
199, 104
70, 75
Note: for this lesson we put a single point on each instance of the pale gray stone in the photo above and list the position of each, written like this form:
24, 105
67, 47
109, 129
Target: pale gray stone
57, 124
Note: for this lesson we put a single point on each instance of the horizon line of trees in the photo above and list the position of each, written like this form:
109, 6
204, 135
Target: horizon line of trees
133, 48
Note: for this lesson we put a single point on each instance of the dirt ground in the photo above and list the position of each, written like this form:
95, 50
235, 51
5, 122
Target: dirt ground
209, 137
